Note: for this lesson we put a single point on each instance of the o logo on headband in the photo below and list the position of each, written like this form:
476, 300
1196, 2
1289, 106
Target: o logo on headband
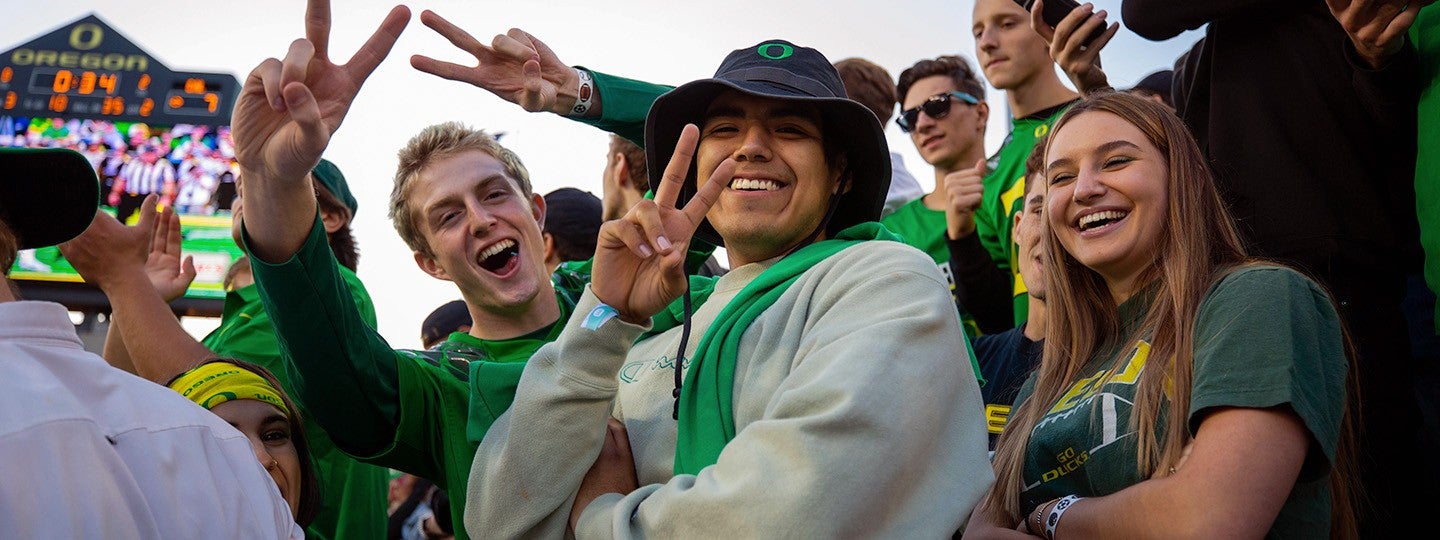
785, 50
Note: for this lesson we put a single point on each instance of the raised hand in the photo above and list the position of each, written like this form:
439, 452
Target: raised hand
640, 258
516, 66
1079, 61
110, 254
963, 189
288, 109
168, 272
1376, 27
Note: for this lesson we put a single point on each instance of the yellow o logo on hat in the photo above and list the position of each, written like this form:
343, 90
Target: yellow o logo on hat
1041, 130
785, 51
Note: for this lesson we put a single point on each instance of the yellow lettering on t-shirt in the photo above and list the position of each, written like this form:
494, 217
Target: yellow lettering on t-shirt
995, 417
1087, 387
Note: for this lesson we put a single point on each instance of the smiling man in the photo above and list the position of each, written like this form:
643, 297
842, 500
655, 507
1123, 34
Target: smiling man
822, 367
943, 109
465, 206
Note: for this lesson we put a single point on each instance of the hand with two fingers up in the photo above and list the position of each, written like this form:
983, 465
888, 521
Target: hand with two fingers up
640, 258
516, 66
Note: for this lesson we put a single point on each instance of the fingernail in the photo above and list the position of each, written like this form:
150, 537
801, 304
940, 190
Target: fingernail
663, 242
1101, 13
645, 251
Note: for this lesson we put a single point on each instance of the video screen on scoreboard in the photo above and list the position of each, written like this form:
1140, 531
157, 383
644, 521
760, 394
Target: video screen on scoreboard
191, 168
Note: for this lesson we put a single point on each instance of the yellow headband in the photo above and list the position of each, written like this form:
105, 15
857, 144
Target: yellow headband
217, 382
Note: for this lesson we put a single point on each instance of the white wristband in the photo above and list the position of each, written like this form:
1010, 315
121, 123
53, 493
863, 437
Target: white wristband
1055, 512
585, 94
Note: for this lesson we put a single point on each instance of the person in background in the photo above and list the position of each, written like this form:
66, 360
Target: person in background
449, 318
1156, 87
92, 451
872, 86
1017, 60
1008, 358
1178, 372
624, 182
572, 220
943, 109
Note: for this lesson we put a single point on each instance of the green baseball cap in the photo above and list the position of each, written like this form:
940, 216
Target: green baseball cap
47, 195
329, 176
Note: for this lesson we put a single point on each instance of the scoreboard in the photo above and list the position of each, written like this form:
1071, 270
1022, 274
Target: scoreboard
87, 70
87, 87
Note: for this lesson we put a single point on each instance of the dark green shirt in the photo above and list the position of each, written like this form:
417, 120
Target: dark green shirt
1264, 336
353, 494
409, 410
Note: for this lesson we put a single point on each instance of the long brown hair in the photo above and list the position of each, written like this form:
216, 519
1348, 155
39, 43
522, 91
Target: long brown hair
1199, 245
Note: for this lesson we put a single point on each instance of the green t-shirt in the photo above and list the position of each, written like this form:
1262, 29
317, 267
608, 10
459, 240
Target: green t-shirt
1004, 188
1425, 34
409, 410
1264, 336
353, 494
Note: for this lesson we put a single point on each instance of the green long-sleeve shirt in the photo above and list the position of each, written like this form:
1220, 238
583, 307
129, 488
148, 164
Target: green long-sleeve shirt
414, 411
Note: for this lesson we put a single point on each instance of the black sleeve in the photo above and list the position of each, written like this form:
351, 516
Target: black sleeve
1159, 20
981, 289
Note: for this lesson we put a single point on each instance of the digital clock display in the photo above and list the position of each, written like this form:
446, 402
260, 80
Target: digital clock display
87, 70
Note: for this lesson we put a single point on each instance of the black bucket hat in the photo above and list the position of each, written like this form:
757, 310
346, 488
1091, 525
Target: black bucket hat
47, 195
782, 70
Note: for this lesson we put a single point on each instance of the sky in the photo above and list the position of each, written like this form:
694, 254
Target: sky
661, 41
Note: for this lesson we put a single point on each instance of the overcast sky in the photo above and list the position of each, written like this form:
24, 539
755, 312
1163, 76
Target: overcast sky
663, 41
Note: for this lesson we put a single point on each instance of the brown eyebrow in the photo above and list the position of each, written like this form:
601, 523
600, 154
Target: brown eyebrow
484, 183
1102, 149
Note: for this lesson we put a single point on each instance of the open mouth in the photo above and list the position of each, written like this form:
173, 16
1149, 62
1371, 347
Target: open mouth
501, 258
754, 184
1099, 220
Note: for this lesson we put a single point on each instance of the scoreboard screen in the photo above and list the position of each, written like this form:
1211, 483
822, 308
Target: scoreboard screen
147, 129
87, 70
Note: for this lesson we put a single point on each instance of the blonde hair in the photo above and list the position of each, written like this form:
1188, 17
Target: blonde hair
1199, 245
431, 144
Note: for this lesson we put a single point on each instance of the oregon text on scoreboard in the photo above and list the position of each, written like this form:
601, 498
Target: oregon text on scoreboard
87, 70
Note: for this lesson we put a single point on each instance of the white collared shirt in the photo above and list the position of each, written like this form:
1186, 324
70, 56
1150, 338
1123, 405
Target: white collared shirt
89, 451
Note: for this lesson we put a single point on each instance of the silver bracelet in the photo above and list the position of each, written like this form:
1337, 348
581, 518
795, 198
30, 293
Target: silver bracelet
1055, 512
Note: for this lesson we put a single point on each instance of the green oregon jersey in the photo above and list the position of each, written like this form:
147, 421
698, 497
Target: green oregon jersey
1425, 34
1264, 336
353, 494
1001, 200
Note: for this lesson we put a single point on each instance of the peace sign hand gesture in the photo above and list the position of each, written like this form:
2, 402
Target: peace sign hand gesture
516, 66
283, 120
640, 258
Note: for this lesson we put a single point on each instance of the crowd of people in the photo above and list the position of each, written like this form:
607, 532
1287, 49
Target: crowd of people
1189, 308
191, 167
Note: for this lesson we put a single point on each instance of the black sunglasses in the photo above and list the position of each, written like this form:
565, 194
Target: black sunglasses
936, 106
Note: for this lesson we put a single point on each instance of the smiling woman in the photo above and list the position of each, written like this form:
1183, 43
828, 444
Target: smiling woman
249, 397
1178, 372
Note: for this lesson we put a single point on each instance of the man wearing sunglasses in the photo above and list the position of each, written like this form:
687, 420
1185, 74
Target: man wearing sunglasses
943, 111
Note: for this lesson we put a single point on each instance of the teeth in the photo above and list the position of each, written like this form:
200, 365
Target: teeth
1090, 219
754, 185
496, 249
